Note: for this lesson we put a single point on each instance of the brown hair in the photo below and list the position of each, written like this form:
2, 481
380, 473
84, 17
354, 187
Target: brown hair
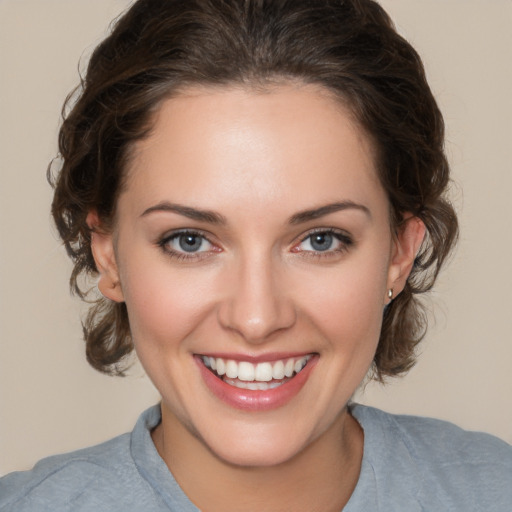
348, 46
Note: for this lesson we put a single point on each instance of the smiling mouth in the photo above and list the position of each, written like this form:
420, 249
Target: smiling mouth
257, 377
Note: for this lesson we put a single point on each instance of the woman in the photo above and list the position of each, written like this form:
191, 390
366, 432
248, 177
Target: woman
260, 187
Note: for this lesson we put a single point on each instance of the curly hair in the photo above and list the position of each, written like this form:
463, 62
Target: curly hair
159, 47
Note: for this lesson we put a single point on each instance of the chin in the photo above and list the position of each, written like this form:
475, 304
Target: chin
258, 444
248, 454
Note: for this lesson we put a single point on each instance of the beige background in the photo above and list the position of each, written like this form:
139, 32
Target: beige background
51, 401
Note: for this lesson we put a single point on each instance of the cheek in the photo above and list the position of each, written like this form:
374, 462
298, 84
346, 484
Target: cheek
165, 305
346, 303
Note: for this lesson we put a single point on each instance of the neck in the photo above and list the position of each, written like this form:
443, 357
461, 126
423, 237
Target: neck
320, 477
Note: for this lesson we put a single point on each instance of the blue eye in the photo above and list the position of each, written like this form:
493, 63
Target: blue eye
321, 241
186, 242
189, 242
327, 241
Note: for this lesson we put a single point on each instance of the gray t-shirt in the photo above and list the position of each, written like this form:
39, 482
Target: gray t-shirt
409, 464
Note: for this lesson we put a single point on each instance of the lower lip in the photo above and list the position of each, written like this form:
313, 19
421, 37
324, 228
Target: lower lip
252, 400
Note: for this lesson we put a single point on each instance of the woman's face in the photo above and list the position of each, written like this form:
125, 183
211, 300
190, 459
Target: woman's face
253, 236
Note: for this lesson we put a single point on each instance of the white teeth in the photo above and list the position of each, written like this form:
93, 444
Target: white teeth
254, 386
221, 366
278, 370
231, 369
263, 372
250, 375
288, 368
245, 371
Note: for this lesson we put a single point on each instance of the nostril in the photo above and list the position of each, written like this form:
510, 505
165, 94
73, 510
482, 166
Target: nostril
256, 326
255, 305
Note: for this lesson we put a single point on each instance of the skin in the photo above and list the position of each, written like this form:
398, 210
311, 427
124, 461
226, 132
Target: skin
256, 286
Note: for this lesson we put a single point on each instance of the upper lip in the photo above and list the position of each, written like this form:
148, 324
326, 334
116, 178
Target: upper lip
260, 358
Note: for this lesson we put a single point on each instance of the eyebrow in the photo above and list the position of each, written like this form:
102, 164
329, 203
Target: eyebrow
316, 213
212, 217
187, 211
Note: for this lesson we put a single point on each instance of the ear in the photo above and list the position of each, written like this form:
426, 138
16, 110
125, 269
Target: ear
406, 244
102, 246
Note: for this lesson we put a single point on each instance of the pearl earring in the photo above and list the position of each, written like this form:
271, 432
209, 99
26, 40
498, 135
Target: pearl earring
390, 293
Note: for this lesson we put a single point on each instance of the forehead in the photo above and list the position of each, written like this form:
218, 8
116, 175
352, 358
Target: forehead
223, 146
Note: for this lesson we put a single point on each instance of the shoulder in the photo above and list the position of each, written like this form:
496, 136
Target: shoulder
437, 438
63, 478
103, 477
441, 461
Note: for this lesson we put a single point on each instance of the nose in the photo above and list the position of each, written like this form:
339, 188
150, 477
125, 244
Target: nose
256, 304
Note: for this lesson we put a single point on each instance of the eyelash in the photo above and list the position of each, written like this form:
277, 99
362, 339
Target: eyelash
184, 256
342, 237
346, 242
